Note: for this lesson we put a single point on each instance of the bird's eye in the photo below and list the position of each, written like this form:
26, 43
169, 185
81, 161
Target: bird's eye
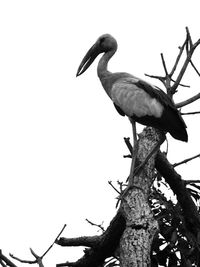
102, 40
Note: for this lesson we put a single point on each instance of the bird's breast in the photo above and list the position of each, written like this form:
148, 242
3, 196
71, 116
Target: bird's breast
135, 101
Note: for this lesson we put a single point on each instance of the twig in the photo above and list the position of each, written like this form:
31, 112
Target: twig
188, 101
6, 260
190, 113
54, 241
164, 64
194, 68
192, 181
180, 84
121, 184
128, 143
178, 58
94, 224
110, 183
66, 264
3, 264
38, 259
23, 261
189, 39
187, 61
160, 78
185, 160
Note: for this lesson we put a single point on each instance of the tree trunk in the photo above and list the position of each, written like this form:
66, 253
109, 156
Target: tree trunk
135, 243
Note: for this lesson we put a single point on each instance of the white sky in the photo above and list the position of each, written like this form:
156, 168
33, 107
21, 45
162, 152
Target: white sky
61, 139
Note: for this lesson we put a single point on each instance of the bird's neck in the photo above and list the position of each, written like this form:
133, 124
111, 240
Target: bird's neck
103, 63
102, 70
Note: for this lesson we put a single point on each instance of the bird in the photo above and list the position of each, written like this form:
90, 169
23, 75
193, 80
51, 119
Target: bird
133, 97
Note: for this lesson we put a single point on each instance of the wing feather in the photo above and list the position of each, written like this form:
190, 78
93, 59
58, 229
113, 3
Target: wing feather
129, 95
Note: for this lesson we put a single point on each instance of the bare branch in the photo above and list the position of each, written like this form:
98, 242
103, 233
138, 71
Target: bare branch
110, 183
86, 241
104, 246
160, 78
164, 64
54, 241
185, 160
178, 59
23, 261
3, 264
66, 264
128, 143
189, 39
38, 259
187, 60
192, 181
198, 73
188, 101
6, 260
94, 224
180, 84
190, 113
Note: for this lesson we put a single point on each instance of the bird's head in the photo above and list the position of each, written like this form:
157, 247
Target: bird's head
104, 44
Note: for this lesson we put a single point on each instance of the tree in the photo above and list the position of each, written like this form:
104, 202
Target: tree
149, 229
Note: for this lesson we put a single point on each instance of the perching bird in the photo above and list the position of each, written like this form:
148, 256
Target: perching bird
133, 97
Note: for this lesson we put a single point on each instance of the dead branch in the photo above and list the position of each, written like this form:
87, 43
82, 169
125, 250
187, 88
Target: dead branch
191, 215
38, 259
5, 261
168, 78
181, 49
164, 64
194, 67
85, 241
110, 183
188, 101
98, 225
54, 241
190, 52
103, 247
191, 181
190, 113
185, 160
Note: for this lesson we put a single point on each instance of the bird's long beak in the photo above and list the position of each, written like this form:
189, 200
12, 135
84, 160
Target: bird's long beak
92, 53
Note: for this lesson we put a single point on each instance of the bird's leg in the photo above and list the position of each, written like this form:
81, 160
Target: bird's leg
134, 152
154, 149
130, 178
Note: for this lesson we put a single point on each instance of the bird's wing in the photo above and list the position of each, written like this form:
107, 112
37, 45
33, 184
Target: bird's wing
155, 92
133, 96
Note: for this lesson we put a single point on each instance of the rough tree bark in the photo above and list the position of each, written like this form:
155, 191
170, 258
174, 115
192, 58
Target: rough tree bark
141, 226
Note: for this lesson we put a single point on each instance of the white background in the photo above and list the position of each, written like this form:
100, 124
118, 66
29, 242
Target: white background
61, 139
